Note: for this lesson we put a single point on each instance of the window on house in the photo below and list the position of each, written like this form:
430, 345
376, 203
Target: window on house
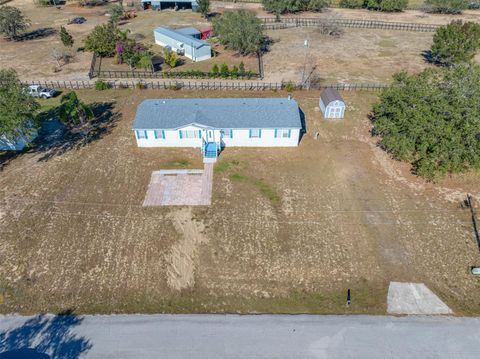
227, 132
142, 135
255, 133
190, 134
282, 133
159, 134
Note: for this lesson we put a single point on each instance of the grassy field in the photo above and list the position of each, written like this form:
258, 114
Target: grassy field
289, 230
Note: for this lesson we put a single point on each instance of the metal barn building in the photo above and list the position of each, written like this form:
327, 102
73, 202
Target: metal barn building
184, 41
332, 104
170, 4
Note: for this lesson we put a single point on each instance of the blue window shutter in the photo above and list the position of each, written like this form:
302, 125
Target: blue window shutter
275, 133
231, 133
250, 133
155, 134
199, 133
136, 133
163, 134
180, 133
289, 132
145, 132
260, 133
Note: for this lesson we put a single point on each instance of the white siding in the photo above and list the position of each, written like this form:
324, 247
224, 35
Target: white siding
240, 138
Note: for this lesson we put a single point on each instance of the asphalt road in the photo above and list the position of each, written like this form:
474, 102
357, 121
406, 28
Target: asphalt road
231, 336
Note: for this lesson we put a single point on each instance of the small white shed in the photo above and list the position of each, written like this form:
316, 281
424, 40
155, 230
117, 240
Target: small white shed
332, 104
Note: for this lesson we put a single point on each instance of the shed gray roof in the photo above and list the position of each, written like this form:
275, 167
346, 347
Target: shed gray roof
188, 31
218, 113
187, 40
330, 95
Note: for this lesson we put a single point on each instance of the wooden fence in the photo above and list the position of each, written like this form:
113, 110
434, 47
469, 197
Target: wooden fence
272, 23
206, 85
96, 71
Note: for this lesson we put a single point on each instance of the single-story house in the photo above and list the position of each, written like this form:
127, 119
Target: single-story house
332, 104
170, 4
212, 124
184, 41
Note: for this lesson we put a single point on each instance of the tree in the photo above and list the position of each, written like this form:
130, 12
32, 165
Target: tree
224, 70
67, 39
102, 40
203, 7
17, 107
72, 111
432, 120
116, 13
12, 21
456, 42
239, 30
386, 5
447, 6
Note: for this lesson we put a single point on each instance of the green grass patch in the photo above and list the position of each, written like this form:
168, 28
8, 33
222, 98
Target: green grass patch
180, 163
267, 191
237, 177
225, 165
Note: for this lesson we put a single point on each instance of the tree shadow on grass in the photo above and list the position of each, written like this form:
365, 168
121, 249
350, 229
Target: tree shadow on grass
44, 337
37, 34
55, 139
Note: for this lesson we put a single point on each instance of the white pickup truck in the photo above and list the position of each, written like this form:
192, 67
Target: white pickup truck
39, 91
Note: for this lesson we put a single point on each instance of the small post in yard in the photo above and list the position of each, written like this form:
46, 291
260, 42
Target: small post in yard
471, 205
348, 297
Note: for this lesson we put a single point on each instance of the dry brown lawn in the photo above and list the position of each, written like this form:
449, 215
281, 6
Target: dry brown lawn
358, 56
289, 230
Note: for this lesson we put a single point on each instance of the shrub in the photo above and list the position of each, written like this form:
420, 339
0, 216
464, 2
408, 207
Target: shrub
446, 6
234, 72
351, 4
170, 57
145, 62
289, 86
215, 69
239, 30
291, 6
224, 71
455, 43
386, 5
101, 85
241, 69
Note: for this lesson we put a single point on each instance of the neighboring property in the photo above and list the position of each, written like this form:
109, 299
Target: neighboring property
332, 104
184, 41
171, 4
212, 124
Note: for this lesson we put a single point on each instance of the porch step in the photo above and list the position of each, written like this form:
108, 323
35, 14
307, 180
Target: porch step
209, 159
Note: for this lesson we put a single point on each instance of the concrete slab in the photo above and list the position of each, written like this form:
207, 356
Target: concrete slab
414, 298
180, 187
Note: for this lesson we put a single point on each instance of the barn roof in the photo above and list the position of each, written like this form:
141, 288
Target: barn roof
330, 95
218, 113
178, 36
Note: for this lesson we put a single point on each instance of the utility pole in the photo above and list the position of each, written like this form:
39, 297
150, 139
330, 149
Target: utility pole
306, 45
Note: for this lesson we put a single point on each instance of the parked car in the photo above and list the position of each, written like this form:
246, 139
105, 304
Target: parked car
77, 20
39, 91
476, 270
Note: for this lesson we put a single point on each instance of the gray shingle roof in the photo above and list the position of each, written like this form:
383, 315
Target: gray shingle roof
218, 113
330, 95
187, 40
